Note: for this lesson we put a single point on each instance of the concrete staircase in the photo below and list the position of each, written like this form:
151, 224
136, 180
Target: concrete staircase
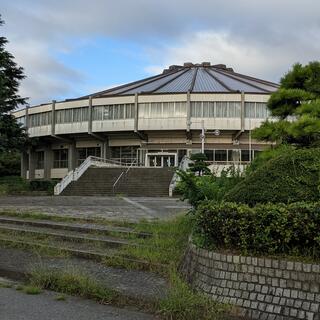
138, 181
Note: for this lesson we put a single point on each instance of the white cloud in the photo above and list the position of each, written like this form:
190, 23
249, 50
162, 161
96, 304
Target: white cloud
249, 57
261, 38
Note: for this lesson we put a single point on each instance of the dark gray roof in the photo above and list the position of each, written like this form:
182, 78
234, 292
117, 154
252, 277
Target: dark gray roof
202, 78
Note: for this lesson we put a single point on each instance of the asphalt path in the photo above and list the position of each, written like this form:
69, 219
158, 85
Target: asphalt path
16, 305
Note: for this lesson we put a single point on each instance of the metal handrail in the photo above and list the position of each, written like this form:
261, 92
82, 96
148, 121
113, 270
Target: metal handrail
75, 174
123, 173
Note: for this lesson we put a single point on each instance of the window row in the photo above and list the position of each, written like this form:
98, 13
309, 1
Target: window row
256, 110
199, 109
234, 155
113, 112
220, 109
72, 115
22, 120
40, 119
162, 110
125, 154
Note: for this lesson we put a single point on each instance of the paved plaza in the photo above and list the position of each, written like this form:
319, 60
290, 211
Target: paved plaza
118, 208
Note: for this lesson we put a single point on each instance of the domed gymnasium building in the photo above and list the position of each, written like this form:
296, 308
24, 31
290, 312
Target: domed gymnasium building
153, 122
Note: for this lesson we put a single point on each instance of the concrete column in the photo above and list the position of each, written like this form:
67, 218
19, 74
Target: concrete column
72, 156
242, 111
32, 163
90, 116
24, 164
53, 118
188, 112
27, 119
106, 151
136, 113
48, 162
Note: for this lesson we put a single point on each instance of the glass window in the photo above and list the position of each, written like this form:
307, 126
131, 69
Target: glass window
156, 110
180, 109
84, 153
234, 109
196, 109
60, 158
168, 110
220, 155
208, 109
261, 110
221, 109
124, 154
245, 155
129, 111
209, 154
40, 160
249, 110
97, 113
40, 119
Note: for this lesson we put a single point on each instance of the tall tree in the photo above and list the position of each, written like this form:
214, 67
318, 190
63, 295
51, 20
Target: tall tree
12, 136
296, 105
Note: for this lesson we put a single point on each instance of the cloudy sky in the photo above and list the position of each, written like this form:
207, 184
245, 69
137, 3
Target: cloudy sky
70, 48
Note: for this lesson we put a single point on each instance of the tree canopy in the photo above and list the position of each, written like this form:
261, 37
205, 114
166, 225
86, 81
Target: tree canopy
296, 105
12, 135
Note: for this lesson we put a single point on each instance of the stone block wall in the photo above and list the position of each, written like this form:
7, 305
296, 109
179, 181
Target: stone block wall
263, 288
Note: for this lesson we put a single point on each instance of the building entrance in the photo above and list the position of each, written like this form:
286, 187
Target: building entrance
161, 160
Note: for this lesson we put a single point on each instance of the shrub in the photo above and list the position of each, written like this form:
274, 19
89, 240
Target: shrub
42, 185
291, 229
9, 164
13, 185
290, 177
211, 187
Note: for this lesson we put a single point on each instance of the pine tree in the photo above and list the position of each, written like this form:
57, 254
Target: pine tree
296, 105
12, 136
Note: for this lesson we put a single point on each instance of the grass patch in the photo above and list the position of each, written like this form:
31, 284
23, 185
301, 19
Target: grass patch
5, 285
59, 218
60, 297
29, 289
183, 303
73, 283
165, 248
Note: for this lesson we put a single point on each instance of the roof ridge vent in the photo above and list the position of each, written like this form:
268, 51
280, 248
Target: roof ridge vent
188, 64
220, 66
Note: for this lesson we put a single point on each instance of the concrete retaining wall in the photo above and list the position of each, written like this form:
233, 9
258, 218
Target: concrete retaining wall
263, 288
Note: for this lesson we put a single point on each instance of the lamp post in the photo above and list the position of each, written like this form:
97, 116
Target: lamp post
216, 132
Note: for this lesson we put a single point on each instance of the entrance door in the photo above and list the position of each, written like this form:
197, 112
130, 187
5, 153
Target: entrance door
161, 159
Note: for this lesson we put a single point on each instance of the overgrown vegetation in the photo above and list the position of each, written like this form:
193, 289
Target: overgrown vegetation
71, 282
184, 303
15, 185
163, 251
209, 187
289, 177
265, 229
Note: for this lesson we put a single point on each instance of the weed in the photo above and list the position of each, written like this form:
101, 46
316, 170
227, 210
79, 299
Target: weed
183, 303
60, 297
31, 289
5, 285
71, 282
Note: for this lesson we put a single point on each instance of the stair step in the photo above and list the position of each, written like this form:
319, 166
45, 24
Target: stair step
80, 253
139, 181
79, 227
106, 241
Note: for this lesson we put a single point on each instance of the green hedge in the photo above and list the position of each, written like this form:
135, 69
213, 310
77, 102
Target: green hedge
290, 177
292, 229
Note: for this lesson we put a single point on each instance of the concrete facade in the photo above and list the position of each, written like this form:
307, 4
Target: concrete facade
139, 125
